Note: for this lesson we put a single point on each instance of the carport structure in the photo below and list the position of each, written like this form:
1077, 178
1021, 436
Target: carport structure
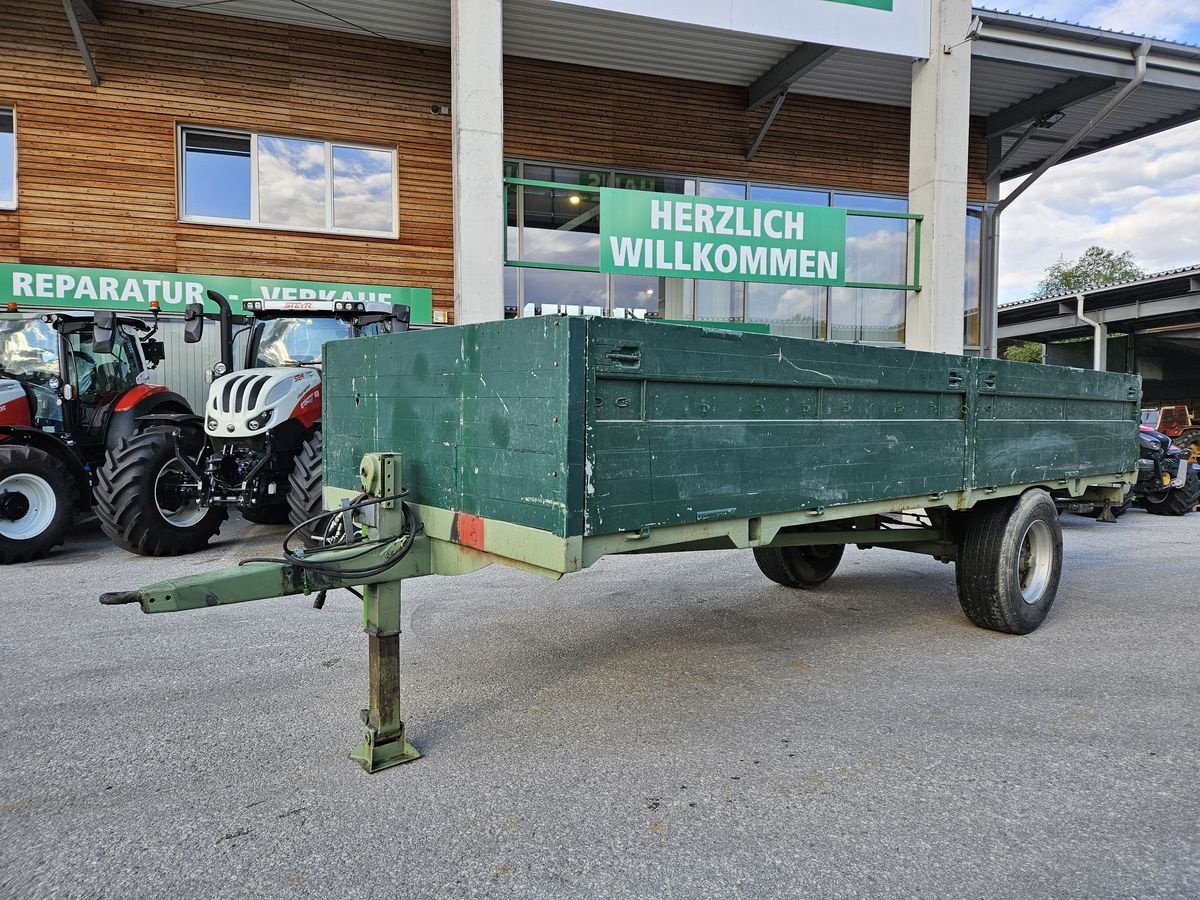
1150, 326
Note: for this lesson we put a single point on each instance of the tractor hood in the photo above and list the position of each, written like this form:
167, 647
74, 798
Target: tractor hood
251, 402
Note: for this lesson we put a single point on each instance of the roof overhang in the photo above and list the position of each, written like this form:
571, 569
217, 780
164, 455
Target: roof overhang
1169, 299
1035, 82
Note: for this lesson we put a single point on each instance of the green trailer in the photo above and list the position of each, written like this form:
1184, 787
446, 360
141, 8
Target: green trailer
548, 443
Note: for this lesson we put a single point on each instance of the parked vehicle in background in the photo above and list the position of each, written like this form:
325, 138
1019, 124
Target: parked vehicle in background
1178, 423
72, 388
257, 448
1168, 482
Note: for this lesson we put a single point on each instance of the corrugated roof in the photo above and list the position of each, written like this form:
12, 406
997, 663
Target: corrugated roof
1183, 271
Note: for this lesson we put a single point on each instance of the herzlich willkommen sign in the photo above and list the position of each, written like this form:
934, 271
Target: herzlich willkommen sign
677, 236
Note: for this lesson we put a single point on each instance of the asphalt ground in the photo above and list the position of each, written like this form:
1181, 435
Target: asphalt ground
672, 726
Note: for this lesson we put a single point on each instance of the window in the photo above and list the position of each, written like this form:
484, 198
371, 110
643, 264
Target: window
8, 159
267, 181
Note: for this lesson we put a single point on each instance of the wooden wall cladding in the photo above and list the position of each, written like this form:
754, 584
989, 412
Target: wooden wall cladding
97, 183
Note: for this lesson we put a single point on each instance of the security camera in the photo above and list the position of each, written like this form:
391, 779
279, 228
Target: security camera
440, 110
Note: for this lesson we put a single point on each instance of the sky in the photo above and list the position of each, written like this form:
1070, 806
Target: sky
1143, 196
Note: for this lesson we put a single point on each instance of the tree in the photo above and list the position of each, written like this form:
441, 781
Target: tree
1096, 267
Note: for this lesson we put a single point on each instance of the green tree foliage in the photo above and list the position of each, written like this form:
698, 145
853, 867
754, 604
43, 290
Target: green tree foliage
1096, 267
1022, 351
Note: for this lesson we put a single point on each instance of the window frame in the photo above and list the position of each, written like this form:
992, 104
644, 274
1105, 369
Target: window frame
14, 202
182, 129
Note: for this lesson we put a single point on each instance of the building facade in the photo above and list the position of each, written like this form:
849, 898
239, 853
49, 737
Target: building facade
257, 140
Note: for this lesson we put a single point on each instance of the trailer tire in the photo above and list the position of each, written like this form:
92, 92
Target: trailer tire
1177, 501
135, 503
799, 567
37, 499
1009, 562
305, 498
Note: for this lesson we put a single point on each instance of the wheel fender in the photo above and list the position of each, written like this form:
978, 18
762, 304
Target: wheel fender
139, 409
51, 444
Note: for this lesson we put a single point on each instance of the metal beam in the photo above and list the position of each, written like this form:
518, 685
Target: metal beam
786, 72
73, 19
1060, 97
1113, 316
766, 125
1164, 72
1184, 118
87, 11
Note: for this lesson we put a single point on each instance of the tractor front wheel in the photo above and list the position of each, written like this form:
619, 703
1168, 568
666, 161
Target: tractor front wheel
1175, 501
37, 495
304, 490
146, 499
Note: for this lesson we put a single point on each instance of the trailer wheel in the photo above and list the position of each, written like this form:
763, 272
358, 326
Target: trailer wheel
1009, 562
1177, 501
37, 496
304, 489
799, 567
139, 503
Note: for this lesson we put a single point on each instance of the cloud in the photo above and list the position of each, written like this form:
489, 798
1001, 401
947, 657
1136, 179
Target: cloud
1143, 196
1171, 19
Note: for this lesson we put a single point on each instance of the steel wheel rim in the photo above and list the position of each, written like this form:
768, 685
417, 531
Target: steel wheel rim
1035, 561
42, 506
183, 514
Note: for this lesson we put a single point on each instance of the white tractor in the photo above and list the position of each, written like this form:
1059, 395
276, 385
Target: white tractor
258, 445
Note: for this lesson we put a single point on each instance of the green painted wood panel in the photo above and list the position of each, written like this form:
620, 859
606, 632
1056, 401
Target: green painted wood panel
481, 413
595, 426
735, 424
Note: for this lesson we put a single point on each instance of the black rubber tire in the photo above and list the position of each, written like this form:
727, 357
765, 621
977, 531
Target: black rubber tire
1190, 440
1178, 501
125, 499
274, 514
992, 562
19, 459
799, 567
304, 486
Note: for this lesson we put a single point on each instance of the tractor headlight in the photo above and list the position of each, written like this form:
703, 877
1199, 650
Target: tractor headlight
220, 369
259, 421
211, 424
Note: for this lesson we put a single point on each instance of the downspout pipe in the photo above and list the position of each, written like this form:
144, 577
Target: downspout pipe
993, 237
1099, 336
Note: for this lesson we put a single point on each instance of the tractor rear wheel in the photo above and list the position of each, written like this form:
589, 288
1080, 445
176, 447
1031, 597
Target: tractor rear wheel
37, 496
1190, 440
1009, 562
799, 567
141, 502
304, 490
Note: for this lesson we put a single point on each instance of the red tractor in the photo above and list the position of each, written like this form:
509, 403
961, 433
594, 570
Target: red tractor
72, 387
1177, 423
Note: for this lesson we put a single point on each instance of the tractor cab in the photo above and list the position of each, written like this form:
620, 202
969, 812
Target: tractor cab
71, 371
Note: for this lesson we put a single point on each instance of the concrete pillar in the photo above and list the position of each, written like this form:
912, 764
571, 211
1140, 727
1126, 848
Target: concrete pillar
477, 110
937, 179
